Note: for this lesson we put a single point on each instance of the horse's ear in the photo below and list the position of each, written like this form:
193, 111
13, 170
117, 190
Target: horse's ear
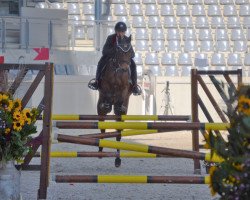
129, 38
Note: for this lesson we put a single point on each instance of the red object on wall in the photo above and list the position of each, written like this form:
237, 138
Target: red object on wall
43, 53
1, 59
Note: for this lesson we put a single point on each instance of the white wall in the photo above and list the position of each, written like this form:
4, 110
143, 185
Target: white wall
72, 96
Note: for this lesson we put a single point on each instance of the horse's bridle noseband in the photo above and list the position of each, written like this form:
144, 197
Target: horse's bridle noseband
119, 62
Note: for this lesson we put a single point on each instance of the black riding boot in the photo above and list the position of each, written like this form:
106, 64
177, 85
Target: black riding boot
136, 89
101, 63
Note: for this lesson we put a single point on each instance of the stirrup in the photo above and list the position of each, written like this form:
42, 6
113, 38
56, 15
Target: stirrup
138, 88
92, 85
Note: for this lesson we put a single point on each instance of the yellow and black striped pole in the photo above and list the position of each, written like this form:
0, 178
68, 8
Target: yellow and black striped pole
175, 126
138, 148
131, 179
75, 154
121, 133
122, 117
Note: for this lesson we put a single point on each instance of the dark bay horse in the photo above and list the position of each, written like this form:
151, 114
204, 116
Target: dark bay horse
115, 86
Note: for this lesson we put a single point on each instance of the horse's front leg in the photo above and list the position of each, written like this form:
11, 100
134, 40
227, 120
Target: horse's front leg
102, 109
118, 159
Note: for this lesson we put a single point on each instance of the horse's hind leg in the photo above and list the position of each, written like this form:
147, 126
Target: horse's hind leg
118, 159
102, 131
120, 109
117, 111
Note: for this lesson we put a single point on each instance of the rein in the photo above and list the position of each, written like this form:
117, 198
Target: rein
124, 49
118, 67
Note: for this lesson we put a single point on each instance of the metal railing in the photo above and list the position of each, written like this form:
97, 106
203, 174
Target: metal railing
17, 32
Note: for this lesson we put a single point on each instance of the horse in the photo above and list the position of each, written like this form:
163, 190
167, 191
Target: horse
115, 85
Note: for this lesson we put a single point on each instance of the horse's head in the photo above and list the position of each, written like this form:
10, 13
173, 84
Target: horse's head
124, 52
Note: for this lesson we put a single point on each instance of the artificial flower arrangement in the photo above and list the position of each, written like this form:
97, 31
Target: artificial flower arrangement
16, 127
231, 178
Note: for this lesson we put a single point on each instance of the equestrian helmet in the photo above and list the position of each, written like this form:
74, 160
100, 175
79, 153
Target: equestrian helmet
120, 27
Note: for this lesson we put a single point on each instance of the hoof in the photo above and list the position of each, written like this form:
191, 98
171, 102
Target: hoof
118, 162
100, 150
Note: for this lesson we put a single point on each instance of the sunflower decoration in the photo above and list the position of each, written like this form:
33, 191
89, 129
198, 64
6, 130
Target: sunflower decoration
231, 178
17, 115
10, 105
244, 105
4, 96
17, 125
27, 116
17, 104
16, 128
4, 101
7, 131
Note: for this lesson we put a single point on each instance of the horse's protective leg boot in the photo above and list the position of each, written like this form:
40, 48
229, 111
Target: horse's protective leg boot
105, 108
120, 109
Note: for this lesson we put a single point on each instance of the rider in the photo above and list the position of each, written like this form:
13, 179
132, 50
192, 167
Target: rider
108, 51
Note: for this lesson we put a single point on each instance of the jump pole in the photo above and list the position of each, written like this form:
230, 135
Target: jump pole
131, 179
174, 126
138, 148
119, 133
123, 133
74, 154
123, 117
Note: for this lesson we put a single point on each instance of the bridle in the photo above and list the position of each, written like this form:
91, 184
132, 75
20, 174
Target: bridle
119, 62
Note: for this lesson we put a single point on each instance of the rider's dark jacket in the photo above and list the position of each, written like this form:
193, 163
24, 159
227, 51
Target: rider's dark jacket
109, 46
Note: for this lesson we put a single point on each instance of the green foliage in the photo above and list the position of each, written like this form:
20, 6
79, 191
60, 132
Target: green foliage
16, 127
231, 178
